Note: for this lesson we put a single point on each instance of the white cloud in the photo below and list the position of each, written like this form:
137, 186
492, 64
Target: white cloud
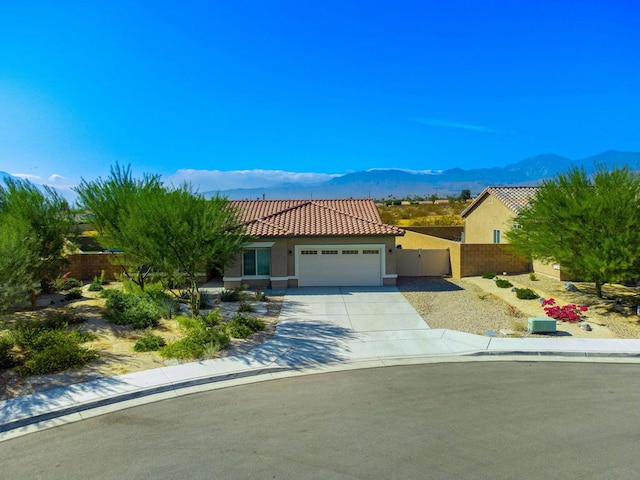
217, 180
408, 170
438, 122
27, 176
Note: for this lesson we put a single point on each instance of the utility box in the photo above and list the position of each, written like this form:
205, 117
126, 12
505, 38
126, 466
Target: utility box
541, 325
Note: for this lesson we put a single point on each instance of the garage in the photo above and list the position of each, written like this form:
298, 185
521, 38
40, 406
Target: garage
339, 265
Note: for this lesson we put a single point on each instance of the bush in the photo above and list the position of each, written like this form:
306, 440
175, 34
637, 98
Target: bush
526, 294
50, 350
95, 285
73, 294
243, 325
64, 283
246, 307
137, 310
212, 319
167, 306
489, 275
206, 300
62, 319
260, 296
230, 295
503, 283
60, 352
532, 276
196, 343
6, 345
188, 323
149, 343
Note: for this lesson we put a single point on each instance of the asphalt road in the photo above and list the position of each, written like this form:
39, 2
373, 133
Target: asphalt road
483, 420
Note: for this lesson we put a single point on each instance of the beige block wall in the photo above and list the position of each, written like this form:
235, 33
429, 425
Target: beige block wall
489, 215
469, 259
85, 266
477, 259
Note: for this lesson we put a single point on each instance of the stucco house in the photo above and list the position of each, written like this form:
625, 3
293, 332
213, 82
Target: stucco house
491, 215
297, 243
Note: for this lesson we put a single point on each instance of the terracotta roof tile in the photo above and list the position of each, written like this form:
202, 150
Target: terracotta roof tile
514, 198
310, 218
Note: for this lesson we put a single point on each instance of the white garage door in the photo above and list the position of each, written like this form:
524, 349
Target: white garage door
339, 266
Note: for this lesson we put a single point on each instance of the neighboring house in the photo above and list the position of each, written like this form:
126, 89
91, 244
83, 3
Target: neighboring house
299, 243
492, 214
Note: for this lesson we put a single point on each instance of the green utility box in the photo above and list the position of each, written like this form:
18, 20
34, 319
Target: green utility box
541, 325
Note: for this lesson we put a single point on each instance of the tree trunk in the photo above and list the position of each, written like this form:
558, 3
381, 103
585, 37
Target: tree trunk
599, 289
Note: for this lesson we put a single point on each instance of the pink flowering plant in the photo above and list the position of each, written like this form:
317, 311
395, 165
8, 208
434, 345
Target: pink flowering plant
570, 313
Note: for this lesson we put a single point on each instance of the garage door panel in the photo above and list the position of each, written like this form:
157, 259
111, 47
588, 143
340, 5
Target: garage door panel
339, 266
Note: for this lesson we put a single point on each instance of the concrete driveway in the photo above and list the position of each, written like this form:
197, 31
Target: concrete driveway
320, 325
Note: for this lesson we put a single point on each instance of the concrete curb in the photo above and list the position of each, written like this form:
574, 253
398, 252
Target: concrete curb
101, 406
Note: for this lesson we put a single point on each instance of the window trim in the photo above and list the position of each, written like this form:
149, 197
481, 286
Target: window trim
255, 250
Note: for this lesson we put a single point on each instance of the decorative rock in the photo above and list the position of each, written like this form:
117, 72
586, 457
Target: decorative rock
585, 326
570, 287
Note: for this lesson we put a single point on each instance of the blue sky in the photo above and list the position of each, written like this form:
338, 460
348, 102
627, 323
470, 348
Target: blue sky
248, 93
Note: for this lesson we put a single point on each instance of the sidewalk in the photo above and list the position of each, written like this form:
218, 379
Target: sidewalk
304, 345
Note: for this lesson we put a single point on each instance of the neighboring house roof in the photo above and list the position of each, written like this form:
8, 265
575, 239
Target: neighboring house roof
514, 198
311, 218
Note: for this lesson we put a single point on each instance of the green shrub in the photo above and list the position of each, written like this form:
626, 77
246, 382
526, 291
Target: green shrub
62, 319
73, 294
95, 285
6, 345
243, 325
197, 343
167, 306
188, 323
206, 300
149, 343
260, 296
526, 294
503, 283
489, 275
60, 353
532, 276
66, 283
246, 307
230, 295
137, 310
212, 319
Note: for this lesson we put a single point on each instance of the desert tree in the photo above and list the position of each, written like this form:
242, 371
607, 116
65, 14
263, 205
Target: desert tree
109, 201
180, 232
18, 262
589, 224
44, 220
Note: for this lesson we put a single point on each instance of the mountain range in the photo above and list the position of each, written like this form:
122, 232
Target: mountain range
399, 183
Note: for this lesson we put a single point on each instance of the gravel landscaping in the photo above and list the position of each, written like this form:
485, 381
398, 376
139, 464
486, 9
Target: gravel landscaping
476, 305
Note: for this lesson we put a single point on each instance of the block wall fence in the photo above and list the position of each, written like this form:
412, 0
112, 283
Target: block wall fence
85, 266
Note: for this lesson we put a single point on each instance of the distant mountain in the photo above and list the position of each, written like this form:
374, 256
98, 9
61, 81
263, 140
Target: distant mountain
399, 183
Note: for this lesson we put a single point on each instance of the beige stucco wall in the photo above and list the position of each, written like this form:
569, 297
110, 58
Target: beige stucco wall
283, 260
489, 215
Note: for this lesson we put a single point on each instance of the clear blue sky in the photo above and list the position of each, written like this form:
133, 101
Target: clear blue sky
322, 87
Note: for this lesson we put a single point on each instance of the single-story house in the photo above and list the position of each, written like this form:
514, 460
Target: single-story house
296, 243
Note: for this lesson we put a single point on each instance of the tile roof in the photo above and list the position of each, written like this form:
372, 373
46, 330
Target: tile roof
311, 218
514, 198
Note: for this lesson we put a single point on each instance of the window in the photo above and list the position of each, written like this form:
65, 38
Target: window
256, 261
370, 252
329, 252
496, 236
308, 252
350, 252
